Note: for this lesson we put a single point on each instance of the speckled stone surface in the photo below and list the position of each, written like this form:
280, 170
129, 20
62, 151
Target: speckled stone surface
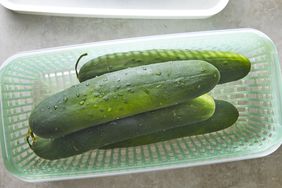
25, 32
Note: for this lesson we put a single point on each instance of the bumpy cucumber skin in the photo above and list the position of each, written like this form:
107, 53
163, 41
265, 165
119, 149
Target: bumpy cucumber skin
225, 115
232, 66
196, 110
120, 94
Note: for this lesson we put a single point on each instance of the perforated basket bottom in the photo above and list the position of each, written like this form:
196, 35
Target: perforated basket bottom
29, 78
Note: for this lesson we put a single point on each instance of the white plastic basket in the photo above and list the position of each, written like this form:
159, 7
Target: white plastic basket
29, 77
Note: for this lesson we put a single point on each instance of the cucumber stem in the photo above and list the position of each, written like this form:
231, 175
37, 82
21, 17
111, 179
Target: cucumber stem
76, 64
28, 136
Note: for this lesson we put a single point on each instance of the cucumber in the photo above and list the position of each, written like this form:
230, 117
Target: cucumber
120, 94
198, 109
225, 115
232, 66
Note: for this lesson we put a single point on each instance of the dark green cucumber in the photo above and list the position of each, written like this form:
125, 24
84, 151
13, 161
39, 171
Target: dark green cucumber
120, 94
198, 109
225, 115
232, 66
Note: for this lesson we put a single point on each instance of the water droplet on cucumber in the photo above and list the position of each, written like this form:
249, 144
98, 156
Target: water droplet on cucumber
113, 123
109, 109
75, 148
81, 102
55, 107
96, 94
87, 84
179, 117
66, 99
158, 73
130, 90
147, 91
106, 98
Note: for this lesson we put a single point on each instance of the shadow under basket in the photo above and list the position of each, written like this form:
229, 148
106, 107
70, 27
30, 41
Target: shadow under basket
29, 77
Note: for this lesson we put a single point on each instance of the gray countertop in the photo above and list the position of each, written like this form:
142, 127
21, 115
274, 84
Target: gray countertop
28, 32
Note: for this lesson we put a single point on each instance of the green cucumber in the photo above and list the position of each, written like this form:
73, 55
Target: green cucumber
196, 110
232, 66
225, 115
121, 94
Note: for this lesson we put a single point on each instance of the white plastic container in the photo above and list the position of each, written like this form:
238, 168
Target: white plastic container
27, 78
120, 8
